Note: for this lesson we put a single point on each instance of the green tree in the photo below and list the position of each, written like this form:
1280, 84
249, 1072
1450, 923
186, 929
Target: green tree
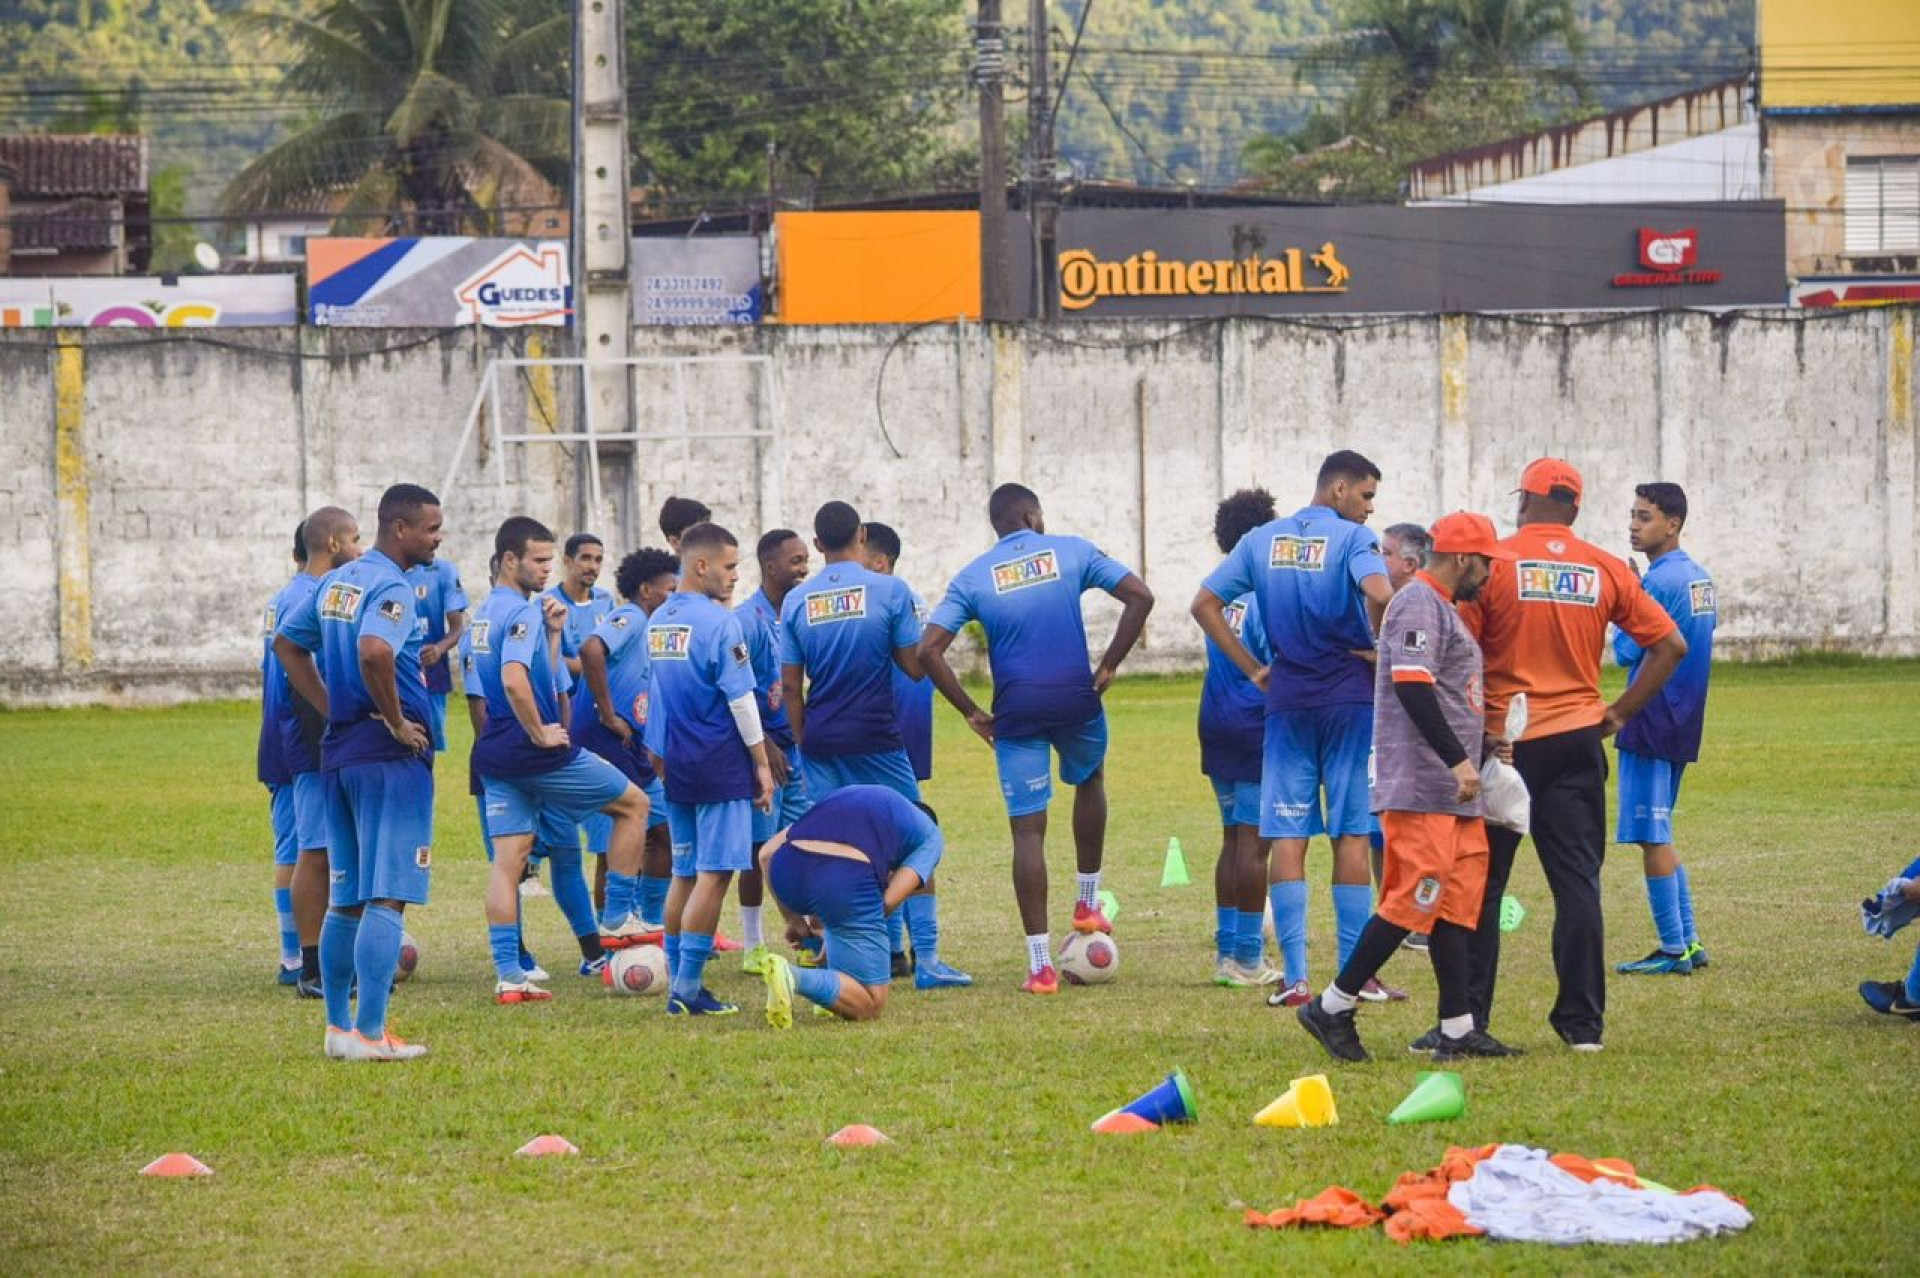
436, 114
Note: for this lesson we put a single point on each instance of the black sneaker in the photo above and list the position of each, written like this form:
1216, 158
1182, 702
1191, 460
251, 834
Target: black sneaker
1889, 998
900, 965
307, 988
1335, 1030
1475, 1042
1427, 1042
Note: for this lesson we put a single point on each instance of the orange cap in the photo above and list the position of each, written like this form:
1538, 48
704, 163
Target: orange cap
1543, 476
1465, 533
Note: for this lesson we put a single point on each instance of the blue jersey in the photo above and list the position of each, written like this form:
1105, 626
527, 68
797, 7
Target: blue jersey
300, 726
913, 707
843, 625
581, 619
366, 599
1233, 710
1306, 569
510, 630
470, 680
270, 760
760, 624
878, 821
624, 633
700, 663
1668, 727
436, 592
1025, 593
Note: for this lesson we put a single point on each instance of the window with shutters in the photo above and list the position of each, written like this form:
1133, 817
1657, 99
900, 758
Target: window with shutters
1883, 206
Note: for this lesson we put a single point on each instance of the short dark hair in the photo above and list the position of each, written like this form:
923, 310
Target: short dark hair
836, 524
1345, 464
1008, 503
404, 501
885, 540
300, 542
642, 566
582, 539
677, 514
706, 536
516, 532
1669, 499
771, 541
1240, 514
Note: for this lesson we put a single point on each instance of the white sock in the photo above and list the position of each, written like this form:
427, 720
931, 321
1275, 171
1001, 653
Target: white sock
1089, 890
1456, 1026
1336, 1000
750, 926
1039, 952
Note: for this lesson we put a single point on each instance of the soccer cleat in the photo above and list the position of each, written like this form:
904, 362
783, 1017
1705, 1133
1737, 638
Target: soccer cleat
623, 933
701, 1004
358, 1047
1427, 1042
591, 968
724, 944
935, 975
1266, 973
1697, 954
755, 962
520, 992
536, 973
778, 974
1233, 976
1889, 998
1376, 991
899, 965
1657, 963
1415, 941
1088, 918
288, 975
1474, 1043
530, 884
1587, 1045
1295, 995
335, 1045
810, 955
304, 988
1044, 981
1334, 1030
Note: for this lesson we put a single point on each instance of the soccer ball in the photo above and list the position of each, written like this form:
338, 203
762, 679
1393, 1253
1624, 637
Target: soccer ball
639, 970
409, 958
1089, 958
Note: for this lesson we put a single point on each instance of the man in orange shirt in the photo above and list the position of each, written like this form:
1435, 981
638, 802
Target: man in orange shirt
1541, 621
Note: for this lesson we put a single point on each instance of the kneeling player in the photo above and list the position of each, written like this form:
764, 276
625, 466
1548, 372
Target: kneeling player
849, 862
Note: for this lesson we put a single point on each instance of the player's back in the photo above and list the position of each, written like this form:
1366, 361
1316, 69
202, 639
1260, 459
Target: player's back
874, 818
1233, 709
913, 705
1670, 725
699, 662
842, 625
1305, 569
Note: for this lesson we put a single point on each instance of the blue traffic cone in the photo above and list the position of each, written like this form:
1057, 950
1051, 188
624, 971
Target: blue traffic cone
1171, 1102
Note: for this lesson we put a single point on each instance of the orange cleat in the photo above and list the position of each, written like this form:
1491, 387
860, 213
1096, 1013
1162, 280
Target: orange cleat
1088, 918
1044, 981
724, 944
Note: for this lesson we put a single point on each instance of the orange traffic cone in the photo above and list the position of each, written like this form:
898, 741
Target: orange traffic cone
176, 1165
856, 1135
546, 1146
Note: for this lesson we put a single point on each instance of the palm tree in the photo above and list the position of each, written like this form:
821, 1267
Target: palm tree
435, 114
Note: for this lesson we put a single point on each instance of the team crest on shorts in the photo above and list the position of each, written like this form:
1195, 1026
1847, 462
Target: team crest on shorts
423, 857
827, 606
1700, 597
670, 643
340, 601
1036, 569
1297, 554
393, 610
1546, 581
1426, 892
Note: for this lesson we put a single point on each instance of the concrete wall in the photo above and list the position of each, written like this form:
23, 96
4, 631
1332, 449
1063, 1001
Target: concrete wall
149, 486
1810, 173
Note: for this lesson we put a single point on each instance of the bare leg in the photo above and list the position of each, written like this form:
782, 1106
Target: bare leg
1030, 870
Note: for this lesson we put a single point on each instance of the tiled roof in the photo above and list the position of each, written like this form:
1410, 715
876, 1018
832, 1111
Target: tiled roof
78, 226
60, 165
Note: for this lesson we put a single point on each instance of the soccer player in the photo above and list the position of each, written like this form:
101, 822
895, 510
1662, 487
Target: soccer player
1321, 587
1428, 741
1025, 592
270, 768
441, 607
1541, 621
783, 562
677, 514
1657, 744
1232, 727
703, 731
586, 603
532, 770
854, 858
377, 759
1404, 547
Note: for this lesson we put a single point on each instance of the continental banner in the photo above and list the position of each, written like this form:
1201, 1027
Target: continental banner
1391, 259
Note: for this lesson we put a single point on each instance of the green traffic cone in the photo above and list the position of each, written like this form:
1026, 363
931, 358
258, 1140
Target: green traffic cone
1175, 872
1439, 1095
1512, 913
1109, 905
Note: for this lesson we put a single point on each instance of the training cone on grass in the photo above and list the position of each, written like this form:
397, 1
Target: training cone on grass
1109, 905
858, 1135
1437, 1096
176, 1165
1307, 1102
1174, 874
547, 1147
1170, 1102
1121, 1123
1512, 913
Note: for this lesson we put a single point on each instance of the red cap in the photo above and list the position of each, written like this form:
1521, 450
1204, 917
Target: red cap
1465, 533
1547, 474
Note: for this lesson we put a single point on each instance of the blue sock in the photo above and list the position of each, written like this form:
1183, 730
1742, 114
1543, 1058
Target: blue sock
337, 935
1352, 907
289, 935
671, 944
623, 896
689, 972
653, 896
820, 984
376, 956
1688, 931
1913, 979
923, 920
896, 932
571, 893
1248, 942
504, 940
1663, 898
1226, 922
1290, 925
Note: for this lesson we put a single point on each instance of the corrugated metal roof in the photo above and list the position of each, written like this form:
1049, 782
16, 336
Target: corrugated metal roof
55, 166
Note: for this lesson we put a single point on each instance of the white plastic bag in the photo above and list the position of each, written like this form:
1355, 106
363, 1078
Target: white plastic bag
1503, 795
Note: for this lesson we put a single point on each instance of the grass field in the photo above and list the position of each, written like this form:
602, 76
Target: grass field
139, 1017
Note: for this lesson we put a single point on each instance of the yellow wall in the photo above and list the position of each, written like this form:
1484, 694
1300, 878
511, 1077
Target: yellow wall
878, 268
1816, 53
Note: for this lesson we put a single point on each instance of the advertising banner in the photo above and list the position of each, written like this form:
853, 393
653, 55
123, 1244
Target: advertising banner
138, 301
878, 268
437, 282
712, 279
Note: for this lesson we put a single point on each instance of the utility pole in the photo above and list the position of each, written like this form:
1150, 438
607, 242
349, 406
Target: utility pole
1042, 201
602, 252
989, 75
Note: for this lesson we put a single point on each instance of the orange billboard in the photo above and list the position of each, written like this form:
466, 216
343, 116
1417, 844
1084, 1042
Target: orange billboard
877, 268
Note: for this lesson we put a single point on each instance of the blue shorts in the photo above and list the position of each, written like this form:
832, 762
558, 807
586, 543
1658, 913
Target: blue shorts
1306, 751
1648, 790
380, 832
310, 811
711, 838
790, 801
286, 848
656, 804
1023, 761
486, 840
846, 898
437, 720
1239, 801
584, 785
599, 829
890, 768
